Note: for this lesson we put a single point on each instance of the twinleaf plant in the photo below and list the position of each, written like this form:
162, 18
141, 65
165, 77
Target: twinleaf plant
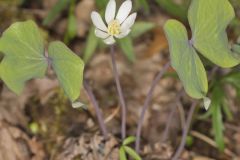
208, 21
25, 58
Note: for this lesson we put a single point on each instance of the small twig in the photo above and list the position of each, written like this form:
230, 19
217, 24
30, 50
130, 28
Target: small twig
211, 142
232, 127
97, 109
120, 94
169, 121
109, 118
185, 131
181, 114
146, 105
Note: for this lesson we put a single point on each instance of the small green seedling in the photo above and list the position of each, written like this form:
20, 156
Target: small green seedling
126, 150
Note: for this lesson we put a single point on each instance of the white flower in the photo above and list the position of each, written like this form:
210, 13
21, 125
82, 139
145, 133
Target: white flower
118, 26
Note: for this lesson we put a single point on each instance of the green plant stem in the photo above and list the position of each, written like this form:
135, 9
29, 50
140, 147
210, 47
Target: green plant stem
97, 109
120, 94
146, 105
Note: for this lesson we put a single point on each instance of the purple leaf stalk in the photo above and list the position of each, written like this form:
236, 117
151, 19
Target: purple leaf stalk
146, 105
97, 109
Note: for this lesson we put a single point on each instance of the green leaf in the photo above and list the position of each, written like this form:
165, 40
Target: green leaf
189, 141
54, 12
68, 67
186, 61
71, 29
132, 153
122, 154
217, 121
101, 4
127, 47
145, 5
227, 111
24, 58
208, 21
72, 24
233, 79
140, 28
129, 140
174, 9
91, 45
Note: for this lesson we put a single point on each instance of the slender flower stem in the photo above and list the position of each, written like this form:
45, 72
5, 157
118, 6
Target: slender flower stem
120, 94
170, 117
98, 111
146, 105
185, 132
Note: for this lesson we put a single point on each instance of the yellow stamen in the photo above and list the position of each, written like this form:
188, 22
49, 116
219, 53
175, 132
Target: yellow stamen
114, 28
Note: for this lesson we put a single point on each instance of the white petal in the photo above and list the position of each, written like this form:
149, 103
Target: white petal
101, 34
124, 11
110, 40
110, 11
128, 23
97, 21
123, 34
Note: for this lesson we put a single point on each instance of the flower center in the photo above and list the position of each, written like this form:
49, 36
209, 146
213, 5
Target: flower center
114, 28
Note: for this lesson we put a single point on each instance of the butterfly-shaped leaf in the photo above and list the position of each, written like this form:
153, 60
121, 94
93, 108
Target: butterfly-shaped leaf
185, 60
68, 67
24, 58
208, 20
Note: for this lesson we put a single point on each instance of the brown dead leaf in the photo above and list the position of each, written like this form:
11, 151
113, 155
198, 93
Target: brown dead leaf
11, 104
89, 147
49, 4
16, 145
44, 88
83, 12
158, 151
158, 44
202, 158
